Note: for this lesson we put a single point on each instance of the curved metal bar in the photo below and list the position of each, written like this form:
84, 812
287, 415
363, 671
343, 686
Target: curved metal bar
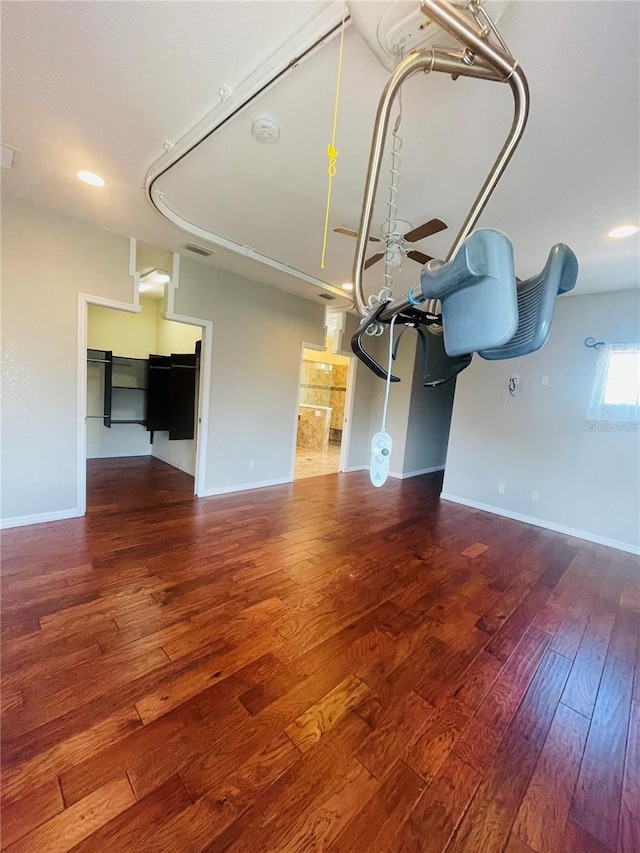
461, 28
520, 89
420, 61
518, 83
488, 62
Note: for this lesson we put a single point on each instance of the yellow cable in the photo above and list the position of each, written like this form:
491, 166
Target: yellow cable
332, 152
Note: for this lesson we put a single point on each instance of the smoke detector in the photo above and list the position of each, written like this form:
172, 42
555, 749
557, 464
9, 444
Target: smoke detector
265, 129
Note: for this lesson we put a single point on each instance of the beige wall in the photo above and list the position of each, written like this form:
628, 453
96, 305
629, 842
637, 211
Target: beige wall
131, 335
174, 337
139, 335
255, 372
47, 259
540, 440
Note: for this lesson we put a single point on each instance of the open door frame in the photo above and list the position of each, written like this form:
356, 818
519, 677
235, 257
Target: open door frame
348, 406
86, 299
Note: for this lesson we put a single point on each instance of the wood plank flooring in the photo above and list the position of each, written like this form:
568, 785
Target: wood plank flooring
317, 667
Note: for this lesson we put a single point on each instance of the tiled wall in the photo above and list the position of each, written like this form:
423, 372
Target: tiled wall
325, 385
313, 428
338, 394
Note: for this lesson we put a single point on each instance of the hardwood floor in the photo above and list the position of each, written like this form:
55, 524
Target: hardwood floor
322, 666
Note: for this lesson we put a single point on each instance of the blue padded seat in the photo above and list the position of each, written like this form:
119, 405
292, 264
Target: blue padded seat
477, 292
536, 302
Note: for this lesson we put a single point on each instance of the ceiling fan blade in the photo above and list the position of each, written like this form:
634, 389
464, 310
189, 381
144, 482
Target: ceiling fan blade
350, 233
373, 260
420, 257
433, 226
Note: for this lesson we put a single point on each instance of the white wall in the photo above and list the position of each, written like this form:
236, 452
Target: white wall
47, 258
257, 336
541, 441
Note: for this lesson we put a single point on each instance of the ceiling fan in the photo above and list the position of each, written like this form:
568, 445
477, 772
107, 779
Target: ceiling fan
401, 242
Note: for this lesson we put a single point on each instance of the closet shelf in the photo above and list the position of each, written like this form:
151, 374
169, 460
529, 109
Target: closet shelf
131, 387
163, 399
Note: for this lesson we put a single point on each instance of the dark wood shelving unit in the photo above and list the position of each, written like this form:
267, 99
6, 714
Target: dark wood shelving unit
164, 391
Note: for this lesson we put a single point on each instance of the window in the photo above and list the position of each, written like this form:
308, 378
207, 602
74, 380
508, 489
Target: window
621, 385
616, 391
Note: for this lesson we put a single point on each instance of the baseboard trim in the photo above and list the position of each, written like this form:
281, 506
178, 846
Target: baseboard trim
38, 518
108, 454
396, 475
548, 525
422, 471
245, 487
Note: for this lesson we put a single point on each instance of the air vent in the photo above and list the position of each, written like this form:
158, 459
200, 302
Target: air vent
327, 296
198, 250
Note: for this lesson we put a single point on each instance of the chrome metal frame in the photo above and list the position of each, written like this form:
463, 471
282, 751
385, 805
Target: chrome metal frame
481, 58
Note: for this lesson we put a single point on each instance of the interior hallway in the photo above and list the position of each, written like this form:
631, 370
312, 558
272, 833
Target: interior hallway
320, 666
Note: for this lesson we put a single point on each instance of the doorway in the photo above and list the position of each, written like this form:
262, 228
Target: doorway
142, 386
322, 413
162, 330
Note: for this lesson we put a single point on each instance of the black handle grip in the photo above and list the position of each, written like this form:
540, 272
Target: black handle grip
359, 350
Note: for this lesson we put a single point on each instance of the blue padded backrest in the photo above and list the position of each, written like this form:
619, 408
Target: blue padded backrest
477, 291
536, 302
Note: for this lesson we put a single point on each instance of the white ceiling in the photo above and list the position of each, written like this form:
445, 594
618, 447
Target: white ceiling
101, 86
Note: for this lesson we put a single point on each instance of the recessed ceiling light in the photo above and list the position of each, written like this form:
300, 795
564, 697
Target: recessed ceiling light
91, 178
623, 231
347, 286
